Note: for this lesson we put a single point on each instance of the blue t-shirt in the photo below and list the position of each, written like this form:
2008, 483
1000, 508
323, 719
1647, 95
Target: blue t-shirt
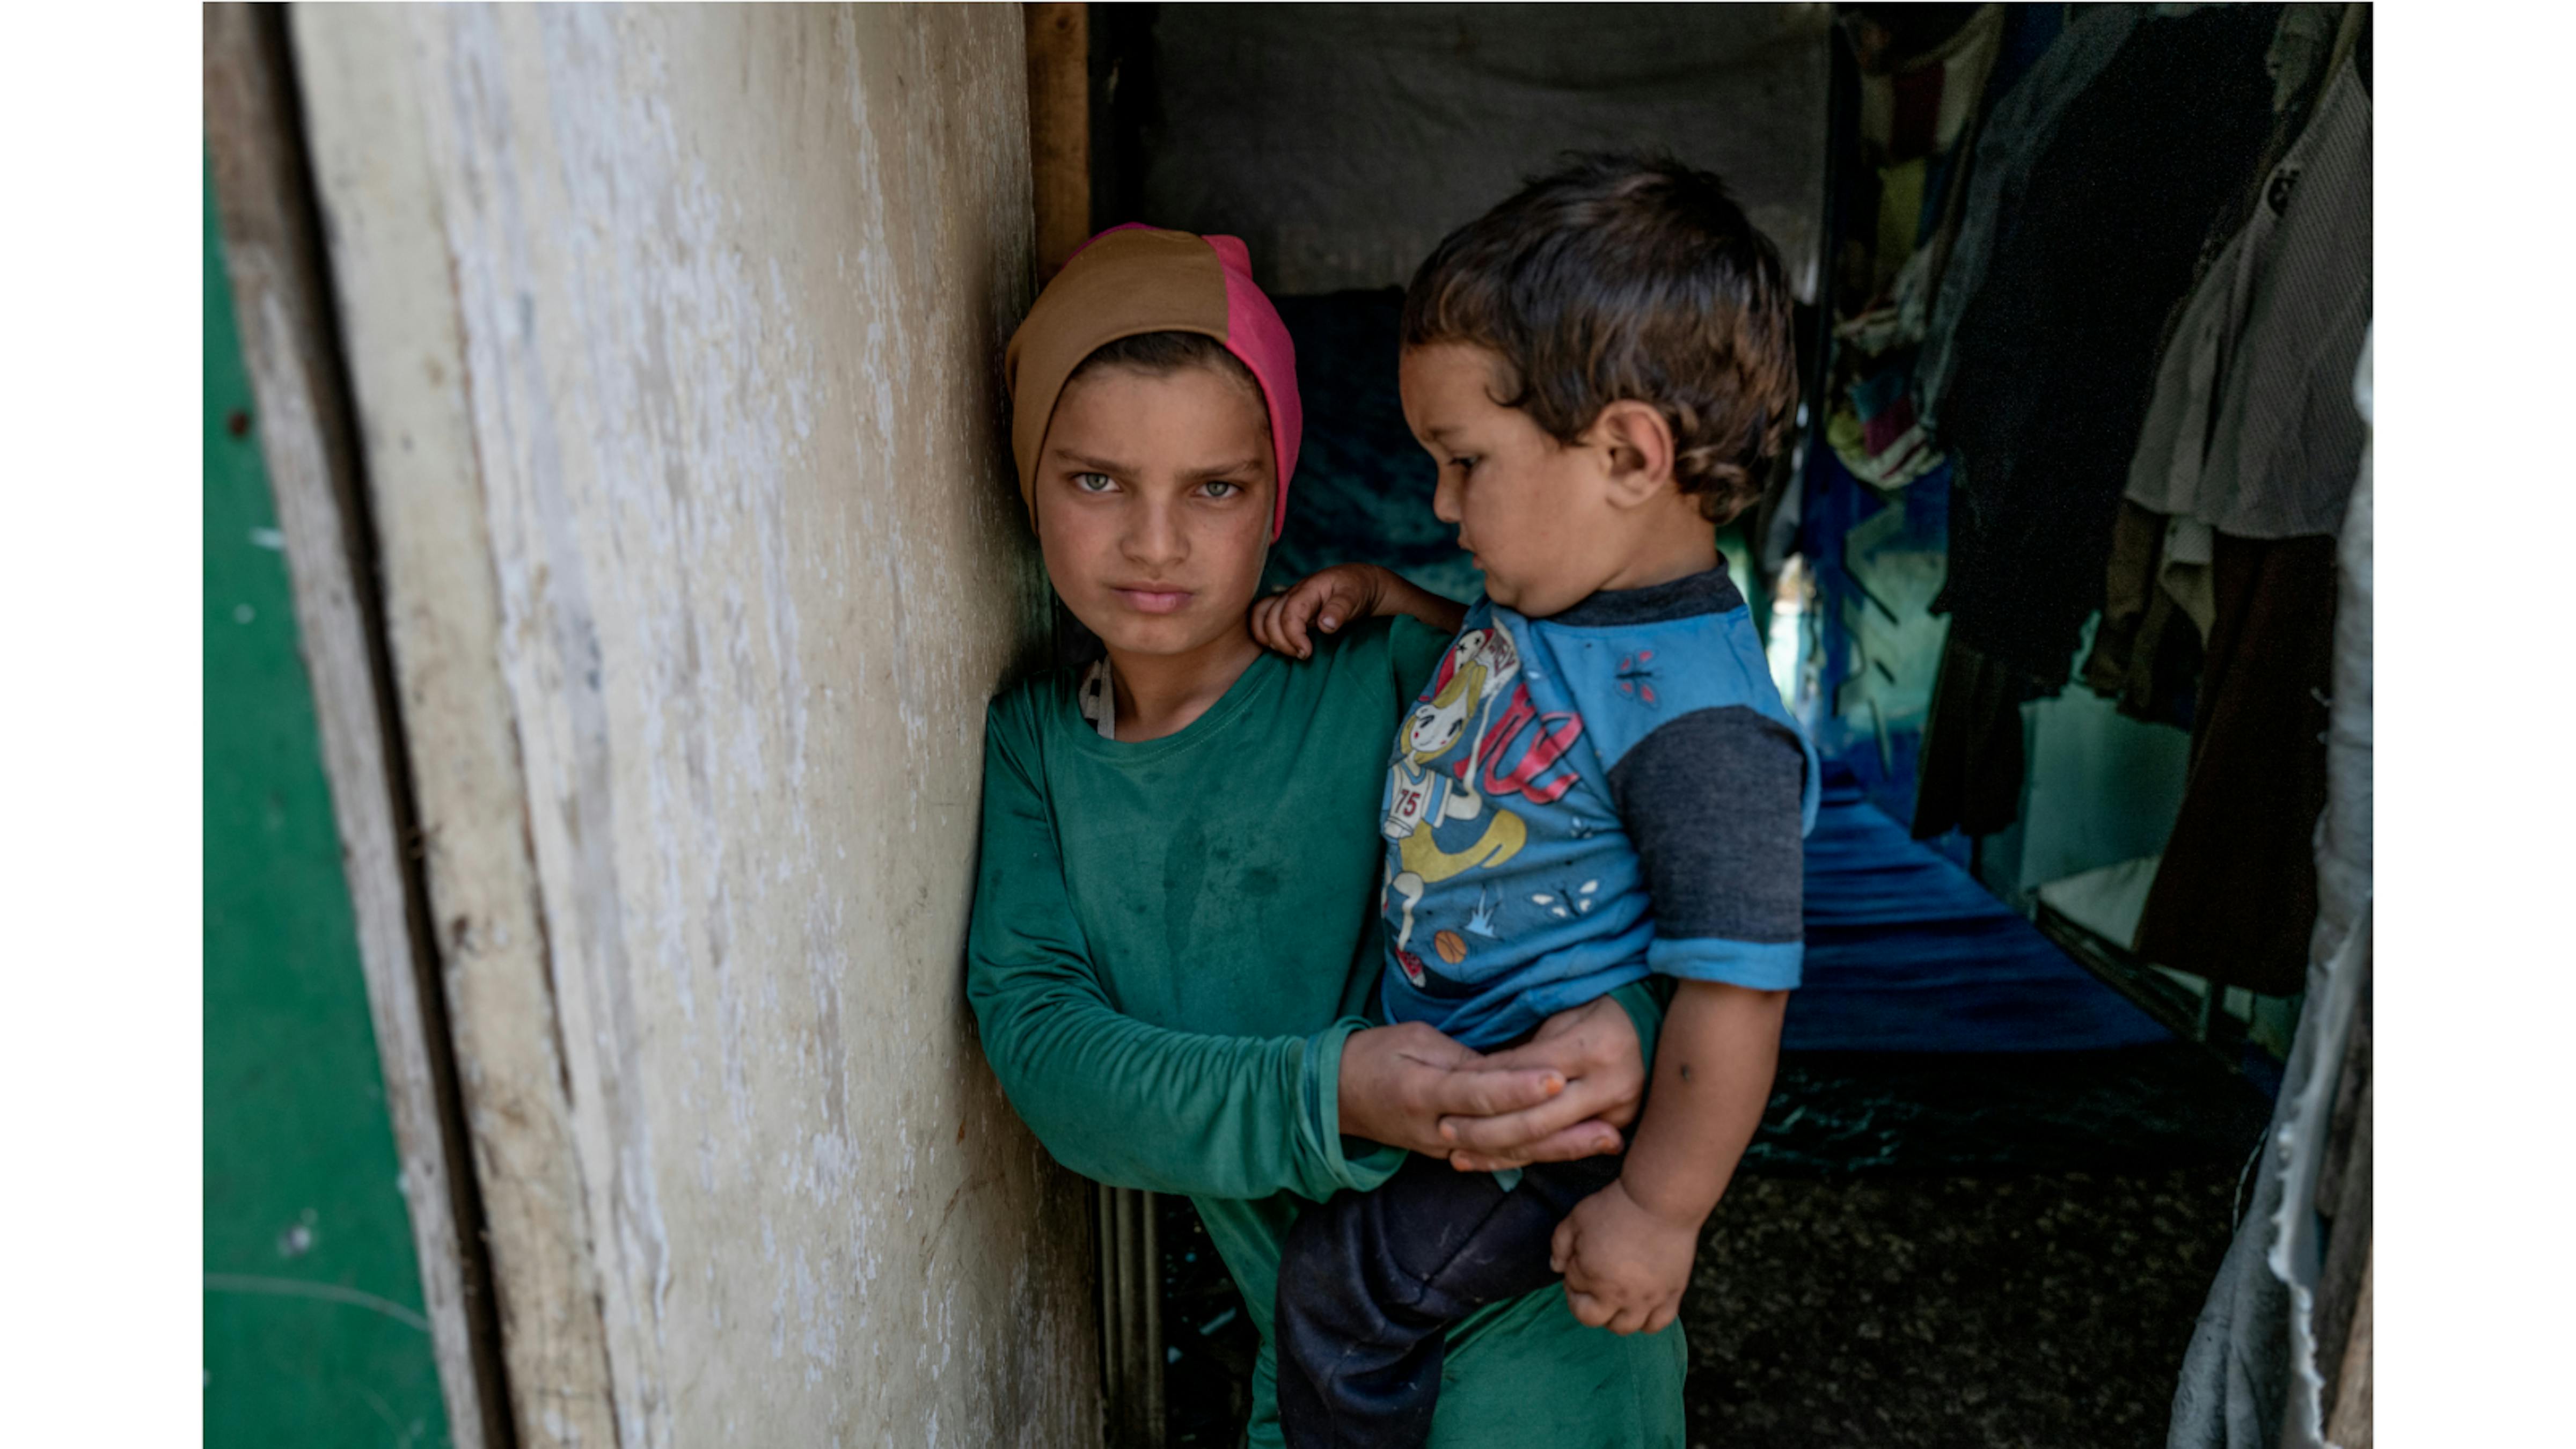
1580, 800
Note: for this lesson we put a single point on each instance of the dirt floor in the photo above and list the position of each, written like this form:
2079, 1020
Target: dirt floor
1934, 1252
2046, 1310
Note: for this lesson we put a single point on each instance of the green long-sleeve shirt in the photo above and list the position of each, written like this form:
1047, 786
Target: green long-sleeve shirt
1171, 941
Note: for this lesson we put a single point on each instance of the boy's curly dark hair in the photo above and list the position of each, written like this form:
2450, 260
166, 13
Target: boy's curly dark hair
1623, 276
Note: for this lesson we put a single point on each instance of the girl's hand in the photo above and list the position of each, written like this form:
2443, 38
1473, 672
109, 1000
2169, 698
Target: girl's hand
1625, 1266
1594, 1049
1399, 1084
1331, 599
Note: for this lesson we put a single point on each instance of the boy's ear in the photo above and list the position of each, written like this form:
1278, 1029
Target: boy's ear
1640, 447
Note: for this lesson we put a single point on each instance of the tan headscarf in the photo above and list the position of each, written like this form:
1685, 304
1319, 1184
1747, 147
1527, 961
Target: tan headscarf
1134, 279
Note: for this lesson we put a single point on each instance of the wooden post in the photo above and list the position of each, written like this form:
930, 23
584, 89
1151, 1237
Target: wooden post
1059, 47
670, 424
273, 258
2348, 1422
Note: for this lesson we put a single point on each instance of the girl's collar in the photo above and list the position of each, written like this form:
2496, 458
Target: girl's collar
1097, 697
1100, 719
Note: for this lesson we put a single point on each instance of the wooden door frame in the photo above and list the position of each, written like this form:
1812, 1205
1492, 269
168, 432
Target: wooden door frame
273, 255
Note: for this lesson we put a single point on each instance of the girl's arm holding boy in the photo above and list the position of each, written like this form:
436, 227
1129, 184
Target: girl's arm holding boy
1138, 1105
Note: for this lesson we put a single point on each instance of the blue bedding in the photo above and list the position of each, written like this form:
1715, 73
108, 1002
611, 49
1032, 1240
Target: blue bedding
1906, 952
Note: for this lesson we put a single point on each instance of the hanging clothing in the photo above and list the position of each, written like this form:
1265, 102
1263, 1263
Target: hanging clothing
1874, 431
2052, 364
2241, 1377
2191, 546
2016, 133
2304, 55
2344, 839
1919, 105
2153, 585
2237, 893
2251, 430
2146, 652
2341, 1276
1912, 116
1917, 118
1971, 772
2303, 49
2270, 1340
2343, 1200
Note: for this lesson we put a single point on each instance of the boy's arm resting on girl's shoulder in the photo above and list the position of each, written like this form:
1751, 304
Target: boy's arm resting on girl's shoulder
1111, 1097
1329, 599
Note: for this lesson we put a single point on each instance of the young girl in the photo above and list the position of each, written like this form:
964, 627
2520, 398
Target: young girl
1174, 958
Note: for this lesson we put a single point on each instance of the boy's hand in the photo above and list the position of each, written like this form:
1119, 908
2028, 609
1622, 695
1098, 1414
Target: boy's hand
1625, 1267
1325, 601
1626, 1250
1329, 600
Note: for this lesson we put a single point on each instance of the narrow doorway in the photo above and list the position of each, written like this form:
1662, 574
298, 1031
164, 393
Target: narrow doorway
2006, 1151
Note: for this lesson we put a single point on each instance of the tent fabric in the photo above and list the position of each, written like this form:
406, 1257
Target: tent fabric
1344, 141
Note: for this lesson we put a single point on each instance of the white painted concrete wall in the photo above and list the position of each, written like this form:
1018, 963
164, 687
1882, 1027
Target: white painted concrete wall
674, 334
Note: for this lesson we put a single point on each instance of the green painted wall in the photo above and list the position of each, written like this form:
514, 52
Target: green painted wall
314, 1331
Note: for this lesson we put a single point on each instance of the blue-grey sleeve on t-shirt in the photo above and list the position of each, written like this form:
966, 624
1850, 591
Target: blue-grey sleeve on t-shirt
1714, 801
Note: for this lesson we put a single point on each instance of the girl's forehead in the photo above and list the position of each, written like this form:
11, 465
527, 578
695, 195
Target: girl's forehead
1189, 410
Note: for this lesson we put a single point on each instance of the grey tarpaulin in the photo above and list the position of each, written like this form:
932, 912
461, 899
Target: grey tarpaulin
1344, 141
2250, 1378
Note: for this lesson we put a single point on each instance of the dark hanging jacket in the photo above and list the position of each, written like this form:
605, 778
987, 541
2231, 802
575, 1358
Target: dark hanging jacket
2055, 357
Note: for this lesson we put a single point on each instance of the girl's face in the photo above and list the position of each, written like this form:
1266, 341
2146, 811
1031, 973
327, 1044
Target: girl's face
1154, 505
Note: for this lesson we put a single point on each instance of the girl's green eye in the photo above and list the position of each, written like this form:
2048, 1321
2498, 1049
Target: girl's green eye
1092, 482
1222, 489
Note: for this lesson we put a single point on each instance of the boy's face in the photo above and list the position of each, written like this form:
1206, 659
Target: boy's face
1154, 506
1536, 514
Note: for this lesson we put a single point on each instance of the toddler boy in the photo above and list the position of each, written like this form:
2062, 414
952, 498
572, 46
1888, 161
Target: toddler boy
1600, 783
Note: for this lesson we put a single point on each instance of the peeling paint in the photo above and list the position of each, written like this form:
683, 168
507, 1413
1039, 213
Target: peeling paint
730, 284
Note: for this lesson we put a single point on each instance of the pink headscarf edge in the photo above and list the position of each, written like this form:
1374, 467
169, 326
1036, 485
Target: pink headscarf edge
1255, 333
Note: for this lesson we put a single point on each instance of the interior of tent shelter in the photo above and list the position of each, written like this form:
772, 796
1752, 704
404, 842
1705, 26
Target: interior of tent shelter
2051, 576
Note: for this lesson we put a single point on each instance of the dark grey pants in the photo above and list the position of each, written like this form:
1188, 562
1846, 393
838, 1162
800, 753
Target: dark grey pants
1369, 1284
